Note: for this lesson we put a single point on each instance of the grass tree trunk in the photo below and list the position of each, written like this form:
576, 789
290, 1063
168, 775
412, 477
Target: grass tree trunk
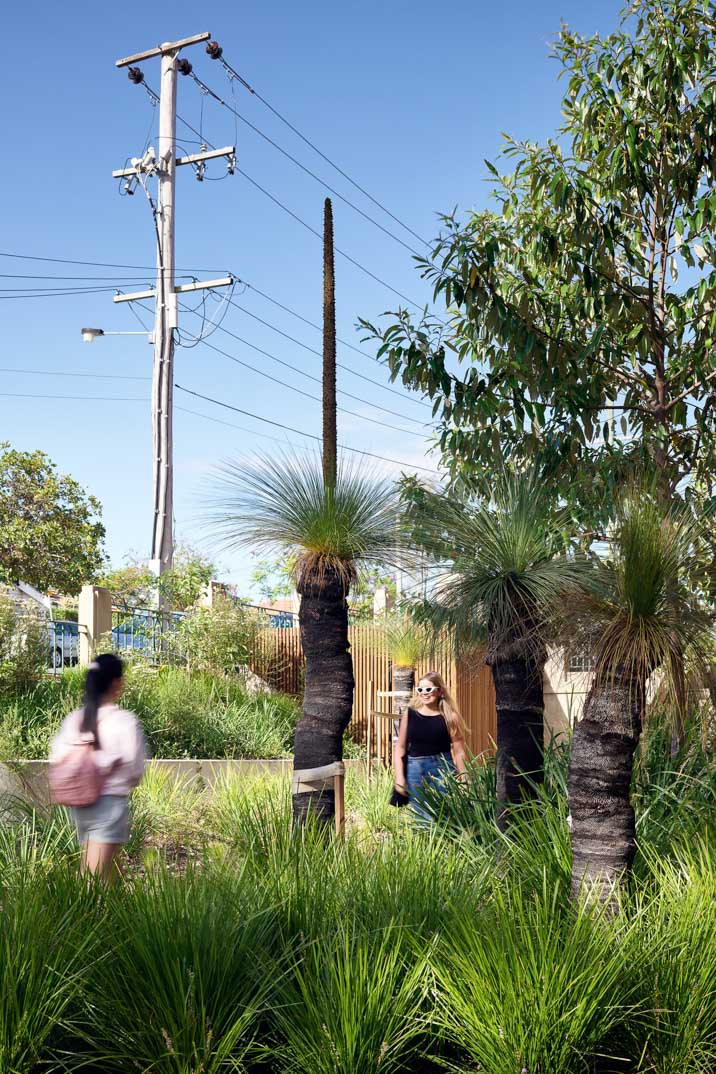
403, 686
519, 700
600, 771
328, 695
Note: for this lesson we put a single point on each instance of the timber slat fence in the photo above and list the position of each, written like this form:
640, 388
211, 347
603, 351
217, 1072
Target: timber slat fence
279, 659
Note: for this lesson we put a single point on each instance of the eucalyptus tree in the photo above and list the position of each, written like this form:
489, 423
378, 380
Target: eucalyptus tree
645, 615
506, 574
332, 531
582, 307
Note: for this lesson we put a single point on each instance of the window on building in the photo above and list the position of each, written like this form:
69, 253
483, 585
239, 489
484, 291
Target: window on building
580, 662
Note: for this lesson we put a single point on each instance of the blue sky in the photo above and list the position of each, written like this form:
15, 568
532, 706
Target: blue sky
408, 98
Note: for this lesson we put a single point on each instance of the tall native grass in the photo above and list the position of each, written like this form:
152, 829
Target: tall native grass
186, 984
354, 1003
50, 944
285, 950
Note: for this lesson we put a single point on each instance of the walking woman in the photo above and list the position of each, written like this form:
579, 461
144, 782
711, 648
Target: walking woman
431, 742
96, 760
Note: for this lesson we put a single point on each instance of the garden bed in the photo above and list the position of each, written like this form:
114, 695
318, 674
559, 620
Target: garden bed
237, 944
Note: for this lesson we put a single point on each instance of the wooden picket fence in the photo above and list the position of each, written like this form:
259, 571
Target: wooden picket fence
279, 659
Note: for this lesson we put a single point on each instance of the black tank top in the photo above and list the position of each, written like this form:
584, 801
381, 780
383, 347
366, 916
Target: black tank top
427, 735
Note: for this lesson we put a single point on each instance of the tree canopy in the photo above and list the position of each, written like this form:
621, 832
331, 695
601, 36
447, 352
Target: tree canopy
50, 530
582, 308
135, 586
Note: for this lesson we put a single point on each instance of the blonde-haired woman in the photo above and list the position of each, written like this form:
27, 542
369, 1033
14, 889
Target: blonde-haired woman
431, 741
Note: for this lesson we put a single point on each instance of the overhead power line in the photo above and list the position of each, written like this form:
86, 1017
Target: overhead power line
338, 250
290, 429
283, 384
99, 264
67, 373
67, 293
76, 398
300, 391
314, 350
322, 182
235, 74
302, 372
308, 226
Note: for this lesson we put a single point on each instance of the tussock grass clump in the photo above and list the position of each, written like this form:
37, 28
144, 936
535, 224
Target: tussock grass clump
50, 944
186, 983
354, 1003
531, 984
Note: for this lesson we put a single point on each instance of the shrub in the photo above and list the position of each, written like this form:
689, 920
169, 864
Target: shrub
220, 639
24, 647
183, 713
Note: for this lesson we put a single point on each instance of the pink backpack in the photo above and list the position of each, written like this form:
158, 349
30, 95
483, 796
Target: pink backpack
76, 780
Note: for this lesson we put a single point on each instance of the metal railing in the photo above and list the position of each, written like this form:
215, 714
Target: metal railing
144, 632
63, 644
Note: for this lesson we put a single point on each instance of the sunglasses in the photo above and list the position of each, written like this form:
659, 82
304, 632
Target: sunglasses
426, 689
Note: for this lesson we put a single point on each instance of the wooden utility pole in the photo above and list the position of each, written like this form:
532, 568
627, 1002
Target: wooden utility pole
163, 165
330, 435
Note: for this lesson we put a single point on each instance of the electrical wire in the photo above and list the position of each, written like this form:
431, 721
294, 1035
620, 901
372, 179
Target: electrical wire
300, 317
338, 250
290, 429
186, 275
294, 369
59, 294
307, 395
101, 264
322, 182
76, 398
233, 74
314, 350
67, 373
292, 387
300, 220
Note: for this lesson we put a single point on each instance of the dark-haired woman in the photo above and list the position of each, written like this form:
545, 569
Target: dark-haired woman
119, 753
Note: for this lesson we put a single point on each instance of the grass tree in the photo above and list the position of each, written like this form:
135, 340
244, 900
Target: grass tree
506, 573
408, 642
647, 619
333, 530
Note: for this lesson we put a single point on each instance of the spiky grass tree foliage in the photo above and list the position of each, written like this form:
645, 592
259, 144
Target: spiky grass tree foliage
646, 620
334, 531
506, 573
408, 642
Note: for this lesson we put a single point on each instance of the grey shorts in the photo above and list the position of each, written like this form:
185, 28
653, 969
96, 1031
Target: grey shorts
107, 821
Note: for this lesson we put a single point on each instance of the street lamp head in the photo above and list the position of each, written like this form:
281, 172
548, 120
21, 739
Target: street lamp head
88, 334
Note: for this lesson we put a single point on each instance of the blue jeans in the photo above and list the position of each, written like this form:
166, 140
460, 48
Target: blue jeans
423, 771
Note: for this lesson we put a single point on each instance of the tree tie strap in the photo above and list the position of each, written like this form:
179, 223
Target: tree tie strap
310, 780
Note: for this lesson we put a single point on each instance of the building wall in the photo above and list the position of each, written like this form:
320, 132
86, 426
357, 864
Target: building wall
564, 695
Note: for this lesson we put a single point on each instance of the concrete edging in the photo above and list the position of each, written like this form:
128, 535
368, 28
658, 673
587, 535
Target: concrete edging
29, 779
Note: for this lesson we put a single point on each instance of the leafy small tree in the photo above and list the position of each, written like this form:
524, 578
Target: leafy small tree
50, 530
135, 586
582, 309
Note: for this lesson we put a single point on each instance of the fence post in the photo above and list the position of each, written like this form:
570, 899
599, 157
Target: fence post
94, 618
